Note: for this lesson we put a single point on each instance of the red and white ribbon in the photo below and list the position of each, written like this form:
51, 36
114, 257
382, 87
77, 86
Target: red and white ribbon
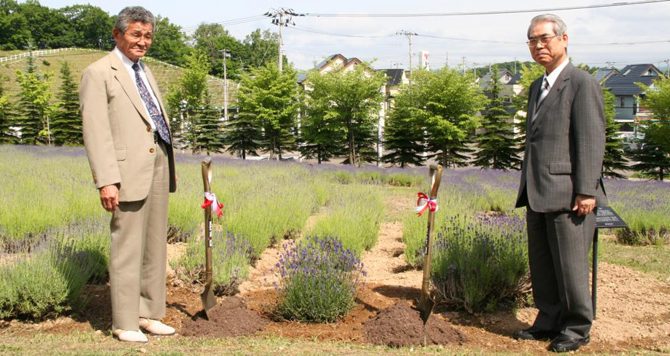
211, 202
424, 203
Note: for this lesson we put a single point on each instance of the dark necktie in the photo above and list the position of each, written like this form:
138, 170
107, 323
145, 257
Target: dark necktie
543, 92
154, 112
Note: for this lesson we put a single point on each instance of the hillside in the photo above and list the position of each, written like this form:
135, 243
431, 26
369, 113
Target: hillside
51, 61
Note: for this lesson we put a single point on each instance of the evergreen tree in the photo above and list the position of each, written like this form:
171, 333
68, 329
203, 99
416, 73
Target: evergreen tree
35, 109
403, 133
243, 134
650, 159
529, 73
271, 98
321, 135
189, 94
208, 130
66, 125
614, 159
6, 134
496, 145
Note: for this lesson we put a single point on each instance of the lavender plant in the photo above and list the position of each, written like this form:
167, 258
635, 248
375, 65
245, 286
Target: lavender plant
231, 257
480, 262
318, 280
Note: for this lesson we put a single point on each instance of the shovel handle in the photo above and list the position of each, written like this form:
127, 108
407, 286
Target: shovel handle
435, 177
206, 166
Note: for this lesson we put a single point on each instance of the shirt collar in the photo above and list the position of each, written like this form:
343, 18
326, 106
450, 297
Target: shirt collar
551, 78
126, 61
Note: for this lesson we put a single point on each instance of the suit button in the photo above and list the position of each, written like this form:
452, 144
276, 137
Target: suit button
152, 150
148, 128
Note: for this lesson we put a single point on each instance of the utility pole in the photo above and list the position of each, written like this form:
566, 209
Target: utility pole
667, 67
282, 18
463, 64
409, 38
225, 54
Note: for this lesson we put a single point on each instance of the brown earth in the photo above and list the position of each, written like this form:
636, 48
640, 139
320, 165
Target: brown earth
633, 309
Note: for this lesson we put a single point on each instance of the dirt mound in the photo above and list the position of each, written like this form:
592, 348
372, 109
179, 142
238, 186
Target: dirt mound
229, 318
401, 325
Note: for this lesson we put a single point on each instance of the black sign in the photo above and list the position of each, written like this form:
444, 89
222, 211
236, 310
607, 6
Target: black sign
608, 219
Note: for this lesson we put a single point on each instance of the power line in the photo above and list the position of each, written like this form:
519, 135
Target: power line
478, 13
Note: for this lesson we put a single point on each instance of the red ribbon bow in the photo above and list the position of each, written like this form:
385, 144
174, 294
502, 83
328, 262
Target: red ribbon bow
211, 202
424, 202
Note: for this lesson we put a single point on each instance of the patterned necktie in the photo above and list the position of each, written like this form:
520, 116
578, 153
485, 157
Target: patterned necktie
154, 112
544, 92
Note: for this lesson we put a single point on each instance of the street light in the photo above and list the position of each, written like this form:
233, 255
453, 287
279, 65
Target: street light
225, 54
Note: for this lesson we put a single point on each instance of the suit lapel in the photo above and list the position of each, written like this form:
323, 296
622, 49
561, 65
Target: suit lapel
128, 85
551, 100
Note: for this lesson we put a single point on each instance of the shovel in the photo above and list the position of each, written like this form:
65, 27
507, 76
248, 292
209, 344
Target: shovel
207, 296
426, 303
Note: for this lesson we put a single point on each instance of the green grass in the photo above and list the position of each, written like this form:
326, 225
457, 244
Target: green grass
650, 259
90, 343
79, 59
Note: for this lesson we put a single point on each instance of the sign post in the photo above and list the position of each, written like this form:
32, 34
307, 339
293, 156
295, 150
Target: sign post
606, 218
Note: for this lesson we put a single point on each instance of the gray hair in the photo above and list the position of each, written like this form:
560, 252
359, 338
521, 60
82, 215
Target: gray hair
559, 26
132, 14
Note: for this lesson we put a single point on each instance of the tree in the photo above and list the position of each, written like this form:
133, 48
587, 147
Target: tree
529, 73
496, 146
6, 134
14, 28
261, 48
243, 134
404, 133
48, 28
272, 99
351, 99
614, 159
212, 39
66, 125
208, 129
35, 109
169, 42
91, 26
653, 151
189, 94
449, 102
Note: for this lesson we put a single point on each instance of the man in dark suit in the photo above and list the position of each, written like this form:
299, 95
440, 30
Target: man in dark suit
129, 149
560, 187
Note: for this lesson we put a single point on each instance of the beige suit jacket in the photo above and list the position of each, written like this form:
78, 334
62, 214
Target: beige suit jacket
117, 135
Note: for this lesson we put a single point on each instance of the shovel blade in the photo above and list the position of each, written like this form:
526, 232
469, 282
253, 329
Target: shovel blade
425, 307
208, 300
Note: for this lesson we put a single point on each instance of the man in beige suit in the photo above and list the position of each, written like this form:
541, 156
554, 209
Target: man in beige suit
129, 149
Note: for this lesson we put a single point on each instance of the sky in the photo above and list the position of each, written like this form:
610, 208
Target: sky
610, 36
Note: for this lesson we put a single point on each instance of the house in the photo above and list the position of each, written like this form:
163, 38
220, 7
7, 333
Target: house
603, 74
623, 85
510, 86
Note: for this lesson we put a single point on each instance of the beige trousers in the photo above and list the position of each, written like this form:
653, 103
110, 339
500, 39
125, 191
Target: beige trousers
138, 253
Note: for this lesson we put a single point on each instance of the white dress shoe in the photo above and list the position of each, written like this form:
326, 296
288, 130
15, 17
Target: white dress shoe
130, 335
156, 327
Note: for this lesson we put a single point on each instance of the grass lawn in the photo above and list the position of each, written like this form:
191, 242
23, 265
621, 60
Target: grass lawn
651, 259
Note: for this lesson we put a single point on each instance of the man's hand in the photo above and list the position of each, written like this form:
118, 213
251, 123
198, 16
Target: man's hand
109, 197
584, 204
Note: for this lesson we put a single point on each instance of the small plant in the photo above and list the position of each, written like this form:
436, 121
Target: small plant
230, 259
318, 280
478, 264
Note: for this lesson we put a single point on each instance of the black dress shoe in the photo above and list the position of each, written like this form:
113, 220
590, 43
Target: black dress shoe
565, 343
534, 334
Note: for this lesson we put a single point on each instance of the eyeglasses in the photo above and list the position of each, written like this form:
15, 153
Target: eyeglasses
532, 42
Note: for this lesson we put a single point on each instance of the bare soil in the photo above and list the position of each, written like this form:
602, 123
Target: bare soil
633, 309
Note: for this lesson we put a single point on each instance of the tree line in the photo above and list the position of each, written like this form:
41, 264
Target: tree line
441, 115
29, 25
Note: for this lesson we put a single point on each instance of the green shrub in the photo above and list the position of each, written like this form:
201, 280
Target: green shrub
47, 283
353, 217
318, 280
479, 264
230, 262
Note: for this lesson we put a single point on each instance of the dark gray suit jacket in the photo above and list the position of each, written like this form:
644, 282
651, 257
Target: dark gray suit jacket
565, 144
